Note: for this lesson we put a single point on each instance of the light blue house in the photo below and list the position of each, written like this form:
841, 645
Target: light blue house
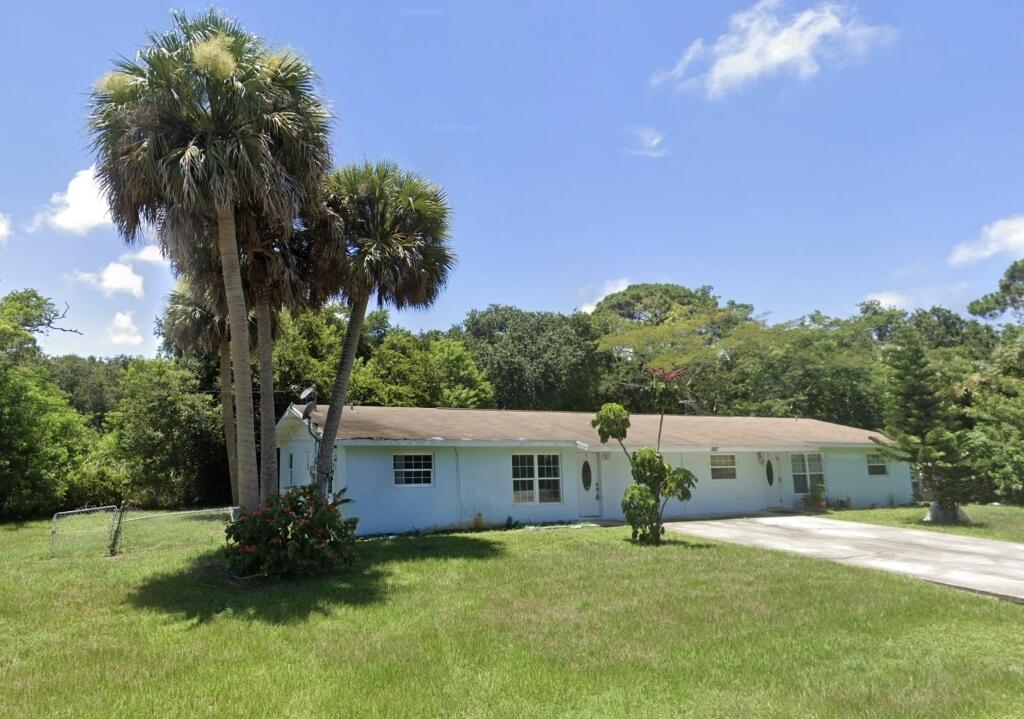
419, 468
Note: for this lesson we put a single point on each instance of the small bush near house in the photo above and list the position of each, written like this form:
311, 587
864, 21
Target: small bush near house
295, 533
640, 509
815, 499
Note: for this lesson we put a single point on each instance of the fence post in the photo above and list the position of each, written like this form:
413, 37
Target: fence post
115, 529
53, 537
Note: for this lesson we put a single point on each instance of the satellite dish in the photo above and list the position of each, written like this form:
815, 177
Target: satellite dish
308, 409
307, 393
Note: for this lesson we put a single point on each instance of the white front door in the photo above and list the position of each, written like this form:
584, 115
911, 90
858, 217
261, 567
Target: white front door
589, 488
773, 481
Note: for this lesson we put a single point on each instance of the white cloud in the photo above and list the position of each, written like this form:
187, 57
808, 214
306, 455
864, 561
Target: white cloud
114, 278
1002, 236
889, 299
609, 287
5, 228
80, 208
920, 296
762, 41
122, 330
149, 253
647, 142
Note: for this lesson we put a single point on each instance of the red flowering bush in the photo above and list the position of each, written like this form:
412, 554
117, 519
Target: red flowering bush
296, 532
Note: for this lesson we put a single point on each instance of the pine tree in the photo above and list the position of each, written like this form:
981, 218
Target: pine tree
923, 426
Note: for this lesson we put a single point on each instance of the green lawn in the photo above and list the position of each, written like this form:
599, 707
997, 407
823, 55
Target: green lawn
560, 622
989, 522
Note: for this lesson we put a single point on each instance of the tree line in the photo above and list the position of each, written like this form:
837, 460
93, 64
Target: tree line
949, 388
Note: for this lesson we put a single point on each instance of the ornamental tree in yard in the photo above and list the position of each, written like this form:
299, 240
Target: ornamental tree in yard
655, 481
924, 429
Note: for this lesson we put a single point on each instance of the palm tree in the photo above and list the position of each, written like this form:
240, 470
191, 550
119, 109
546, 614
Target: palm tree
276, 276
394, 225
204, 122
193, 319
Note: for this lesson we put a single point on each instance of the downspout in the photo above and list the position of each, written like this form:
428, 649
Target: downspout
458, 486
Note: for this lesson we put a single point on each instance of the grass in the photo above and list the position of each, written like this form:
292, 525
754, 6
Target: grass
987, 521
558, 622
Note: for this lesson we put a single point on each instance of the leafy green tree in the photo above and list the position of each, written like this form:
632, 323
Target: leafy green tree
394, 247
655, 481
460, 382
204, 123
943, 329
43, 439
536, 360
101, 478
652, 304
398, 374
93, 384
410, 371
307, 350
168, 435
195, 318
819, 367
687, 339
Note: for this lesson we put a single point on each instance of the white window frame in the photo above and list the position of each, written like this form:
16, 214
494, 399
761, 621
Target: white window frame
878, 465
403, 470
291, 469
535, 478
807, 474
723, 466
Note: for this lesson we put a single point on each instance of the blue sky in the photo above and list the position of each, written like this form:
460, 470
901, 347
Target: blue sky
795, 155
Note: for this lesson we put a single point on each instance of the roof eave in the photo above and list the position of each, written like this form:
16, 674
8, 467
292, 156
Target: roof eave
442, 442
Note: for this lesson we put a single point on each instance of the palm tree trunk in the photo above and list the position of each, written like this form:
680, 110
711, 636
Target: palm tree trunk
227, 411
325, 459
268, 426
238, 319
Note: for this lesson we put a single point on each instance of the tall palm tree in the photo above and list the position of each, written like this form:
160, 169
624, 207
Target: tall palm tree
394, 225
194, 318
204, 122
276, 275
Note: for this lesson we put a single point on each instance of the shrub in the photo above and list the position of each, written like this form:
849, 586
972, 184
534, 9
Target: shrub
640, 508
296, 532
662, 483
815, 499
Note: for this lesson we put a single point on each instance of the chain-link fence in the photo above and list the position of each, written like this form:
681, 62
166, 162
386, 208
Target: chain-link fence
160, 530
82, 532
96, 531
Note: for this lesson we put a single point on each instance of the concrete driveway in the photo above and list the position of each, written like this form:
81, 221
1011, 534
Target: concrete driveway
980, 565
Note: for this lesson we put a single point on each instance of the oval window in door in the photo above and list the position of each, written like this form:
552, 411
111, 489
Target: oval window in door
769, 473
586, 475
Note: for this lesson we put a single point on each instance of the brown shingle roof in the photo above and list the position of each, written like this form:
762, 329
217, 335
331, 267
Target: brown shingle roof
419, 423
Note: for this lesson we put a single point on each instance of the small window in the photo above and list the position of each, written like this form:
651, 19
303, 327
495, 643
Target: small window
808, 471
536, 478
291, 469
723, 466
877, 465
413, 469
